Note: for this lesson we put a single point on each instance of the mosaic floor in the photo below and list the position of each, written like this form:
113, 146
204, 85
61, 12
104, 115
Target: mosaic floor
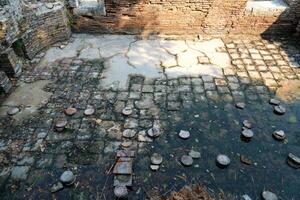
172, 85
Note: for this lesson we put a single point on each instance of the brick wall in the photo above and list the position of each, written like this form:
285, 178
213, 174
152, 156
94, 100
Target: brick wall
186, 17
43, 27
37, 25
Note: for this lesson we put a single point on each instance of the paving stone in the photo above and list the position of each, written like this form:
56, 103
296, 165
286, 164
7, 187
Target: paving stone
129, 133
131, 123
121, 192
186, 160
123, 180
209, 86
267, 195
57, 187
223, 160
20, 172
123, 166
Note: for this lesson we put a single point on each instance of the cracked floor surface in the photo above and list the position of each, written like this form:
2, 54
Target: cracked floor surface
173, 85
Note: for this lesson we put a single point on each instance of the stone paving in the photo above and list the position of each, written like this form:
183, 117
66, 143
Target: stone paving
158, 79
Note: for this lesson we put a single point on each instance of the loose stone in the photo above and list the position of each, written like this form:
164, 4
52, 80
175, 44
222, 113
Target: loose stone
293, 161
67, 178
247, 134
247, 124
56, 187
194, 154
246, 197
153, 132
60, 125
129, 133
70, 111
156, 159
49, 5
267, 195
121, 191
184, 134
279, 135
223, 160
274, 102
186, 160
13, 111
127, 111
89, 111
245, 160
280, 109
154, 167
240, 105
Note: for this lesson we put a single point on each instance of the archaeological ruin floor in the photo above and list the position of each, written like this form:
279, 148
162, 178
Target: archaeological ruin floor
213, 88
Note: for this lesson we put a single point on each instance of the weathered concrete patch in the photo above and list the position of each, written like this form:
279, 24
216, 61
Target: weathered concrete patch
127, 56
117, 71
27, 96
214, 49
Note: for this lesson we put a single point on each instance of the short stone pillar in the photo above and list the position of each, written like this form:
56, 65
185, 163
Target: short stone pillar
10, 63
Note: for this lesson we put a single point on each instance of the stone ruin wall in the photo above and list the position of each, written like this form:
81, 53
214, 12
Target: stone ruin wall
35, 25
217, 17
26, 28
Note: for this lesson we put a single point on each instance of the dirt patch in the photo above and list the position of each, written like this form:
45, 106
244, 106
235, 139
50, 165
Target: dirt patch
289, 90
190, 193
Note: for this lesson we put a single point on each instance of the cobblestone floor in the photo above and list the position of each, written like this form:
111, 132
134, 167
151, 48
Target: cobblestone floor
173, 85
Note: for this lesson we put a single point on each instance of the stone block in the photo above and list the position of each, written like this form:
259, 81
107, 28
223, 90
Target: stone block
5, 83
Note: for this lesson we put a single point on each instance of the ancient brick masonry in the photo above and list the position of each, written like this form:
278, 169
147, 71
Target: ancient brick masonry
27, 28
189, 17
44, 26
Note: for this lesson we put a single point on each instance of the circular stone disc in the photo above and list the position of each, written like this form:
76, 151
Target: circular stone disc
279, 135
223, 160
279, 109
153, 132
154, 167
156, 159
70, 111
127, 111
13, 111
184, 134
120, 191
267, 195
89, 111
293, 161
186, 160
194, 154
274, 102
61, 124
240, 105
247, 124
129, 133
247, 133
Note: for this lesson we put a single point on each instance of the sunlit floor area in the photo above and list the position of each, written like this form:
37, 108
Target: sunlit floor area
109, 116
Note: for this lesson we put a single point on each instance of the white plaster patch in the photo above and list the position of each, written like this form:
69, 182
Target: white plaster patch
29, 96
90, 53
147, 53
111, 45
125, 57
117, 72
211, 48
194, 71
188, 58
174, 46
